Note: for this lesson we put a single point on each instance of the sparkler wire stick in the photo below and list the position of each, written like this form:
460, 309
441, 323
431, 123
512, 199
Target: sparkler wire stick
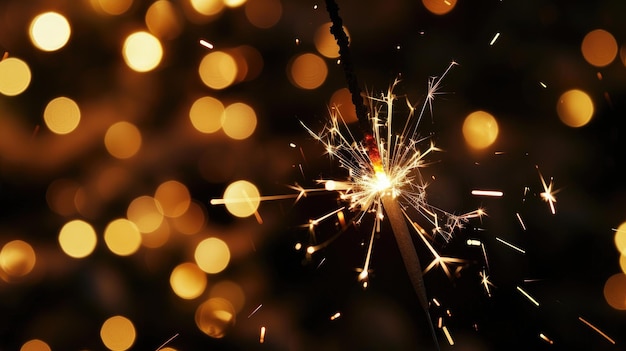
390, 204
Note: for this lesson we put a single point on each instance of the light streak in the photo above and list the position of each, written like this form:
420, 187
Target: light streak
495, 37
511, 245
473, 242
597, 330
255, 310
262, 335
494, 193
546, 339
447, 334
335, 316
543, 85
206, 44
167, 342
521, 222
530, 298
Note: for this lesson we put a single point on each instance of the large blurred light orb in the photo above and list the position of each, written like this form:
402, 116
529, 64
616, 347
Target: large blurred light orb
599, 47
218, 70
188, 281
174, 198
35, 345
164, 20
118, 333
620, 238
439, 7
206, 114
122, 237
122, 140
146, 213
142, 51
212, 255
49, 31
575, 108
264, 13
480, 130
207, 7
242, 198
17, 258
77, 239
615, 291
325, 42
239, 121
15, 75
230, 291
307, 71
62, 115
112, 7
215, 316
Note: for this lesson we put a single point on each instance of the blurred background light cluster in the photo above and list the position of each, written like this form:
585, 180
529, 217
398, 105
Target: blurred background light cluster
120, 121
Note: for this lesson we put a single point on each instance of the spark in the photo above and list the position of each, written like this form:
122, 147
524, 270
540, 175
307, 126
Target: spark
548, 194
206, 44
495, 37
335, 316
485, 282
511, 245
494, 193
255, 310
543, 85
597, 330
530, 298
262, 335
436, 302
546, 339
473, 242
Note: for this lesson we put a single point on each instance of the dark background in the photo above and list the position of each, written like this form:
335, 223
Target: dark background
569, 256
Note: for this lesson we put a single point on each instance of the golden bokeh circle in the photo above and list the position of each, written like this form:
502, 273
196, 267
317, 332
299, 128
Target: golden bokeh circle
263, 13
146, 212
480, 130
575, 108
142, 51
188, 281
239, 121
62, 115
49, 31
77, 238
206, 114
16, 76
35, 345
17, 258
215, 316
615, 291
439, 7
122, 237
212, 255
599, 48
118, 333
122, 140
307, 71
218, 70
242, 198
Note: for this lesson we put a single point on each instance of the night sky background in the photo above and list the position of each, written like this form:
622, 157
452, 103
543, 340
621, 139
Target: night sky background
568, 256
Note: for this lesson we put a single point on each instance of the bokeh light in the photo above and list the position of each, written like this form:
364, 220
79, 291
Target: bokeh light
342, 100
480, 129
35, 345
230, 291
49, 31
174, 198
307, 71
264, 13
620, 238
122, 140
325, 42
234, 3
599, 47
118, 333
207, 7
142, 51
192, 221
188, 281
122, 237
622, 263
60, 196
206, 114
242, 198
218, 70
212, 255
439, 7
615, 291
164, 20
17, 258
62, 115
146, 213
77, 238
239, 121
215, 316
15, 75
158, 237
112, 7
575, 108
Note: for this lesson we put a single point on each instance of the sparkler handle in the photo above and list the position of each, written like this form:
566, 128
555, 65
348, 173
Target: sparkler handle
409, 255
